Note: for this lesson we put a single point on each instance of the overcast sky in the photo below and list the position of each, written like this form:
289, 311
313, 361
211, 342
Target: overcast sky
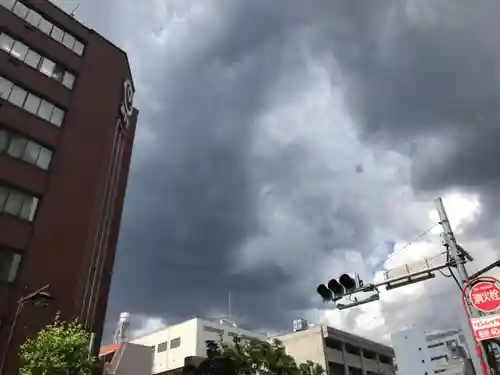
282, 143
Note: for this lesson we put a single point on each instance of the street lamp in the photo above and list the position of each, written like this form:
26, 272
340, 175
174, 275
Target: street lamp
38, 298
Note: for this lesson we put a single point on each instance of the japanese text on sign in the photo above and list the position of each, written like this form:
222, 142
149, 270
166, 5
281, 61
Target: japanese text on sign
485, 296
487, 327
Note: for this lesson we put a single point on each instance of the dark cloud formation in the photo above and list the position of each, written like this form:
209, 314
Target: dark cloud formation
211, 188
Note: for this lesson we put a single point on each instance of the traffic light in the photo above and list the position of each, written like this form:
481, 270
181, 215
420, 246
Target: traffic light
347, 282
336, 289
324, 292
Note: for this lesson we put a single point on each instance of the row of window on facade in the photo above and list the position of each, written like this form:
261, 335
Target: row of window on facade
31, 102
174, 343
25, 149
21, 205
37, 20
33, 59
355, 350
339, 369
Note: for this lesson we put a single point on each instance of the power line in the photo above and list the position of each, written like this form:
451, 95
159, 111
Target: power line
408, 244
418, 237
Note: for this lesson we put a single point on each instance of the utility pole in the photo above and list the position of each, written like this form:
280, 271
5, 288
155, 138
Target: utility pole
457, 256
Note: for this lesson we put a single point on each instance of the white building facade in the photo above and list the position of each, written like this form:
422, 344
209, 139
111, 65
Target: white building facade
339, 352
428, 353
173, 344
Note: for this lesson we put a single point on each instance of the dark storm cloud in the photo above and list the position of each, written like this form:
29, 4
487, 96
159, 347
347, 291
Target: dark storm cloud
432, 77
192, 203
410, 71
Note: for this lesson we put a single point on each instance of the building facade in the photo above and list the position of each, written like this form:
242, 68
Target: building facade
67, 125
428, 353
171, 346
339, 352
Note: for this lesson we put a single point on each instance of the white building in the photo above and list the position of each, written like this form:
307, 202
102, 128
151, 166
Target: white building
428, 353
173, 344
339, 352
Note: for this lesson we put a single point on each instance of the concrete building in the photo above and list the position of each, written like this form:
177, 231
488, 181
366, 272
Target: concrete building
340, 353
172, 345
67, 125
428, 353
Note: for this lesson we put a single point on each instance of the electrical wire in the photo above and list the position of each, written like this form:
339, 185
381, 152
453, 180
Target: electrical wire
445, 275
455, 278
419, 236
408, 244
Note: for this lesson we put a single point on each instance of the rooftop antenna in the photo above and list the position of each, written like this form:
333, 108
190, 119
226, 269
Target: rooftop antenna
72, 14
229, 304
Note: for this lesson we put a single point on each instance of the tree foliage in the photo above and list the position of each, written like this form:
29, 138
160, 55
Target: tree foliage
60, 348
252, 358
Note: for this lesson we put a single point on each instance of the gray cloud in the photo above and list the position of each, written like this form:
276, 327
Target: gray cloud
276, 139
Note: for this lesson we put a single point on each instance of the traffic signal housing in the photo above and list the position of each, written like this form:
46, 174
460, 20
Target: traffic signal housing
336, 289
347, 282
324, 292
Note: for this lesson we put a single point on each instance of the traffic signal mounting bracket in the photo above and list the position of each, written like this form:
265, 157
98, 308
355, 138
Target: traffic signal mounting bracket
391, 283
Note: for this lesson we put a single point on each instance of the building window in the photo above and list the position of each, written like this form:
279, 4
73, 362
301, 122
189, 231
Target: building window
37, 20
162, 347
351, 349
333, 344
21, 148
33, 59
213, 330
9, 265
384, 359
368, 354
175, 343
444, 356
435, 345
16, 203
18, 96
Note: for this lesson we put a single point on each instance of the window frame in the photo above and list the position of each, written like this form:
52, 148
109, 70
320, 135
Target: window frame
174, 341
44, 149
162, 347
47, 26
10, 187
58, 71
54, 106
14, 252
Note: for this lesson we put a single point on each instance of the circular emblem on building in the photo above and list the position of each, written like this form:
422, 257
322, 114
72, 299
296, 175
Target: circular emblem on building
128, 97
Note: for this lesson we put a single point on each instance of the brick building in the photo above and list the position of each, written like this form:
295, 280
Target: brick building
67, 126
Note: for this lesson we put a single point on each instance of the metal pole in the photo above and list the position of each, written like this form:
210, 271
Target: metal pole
20, 304
91, 345
455, 253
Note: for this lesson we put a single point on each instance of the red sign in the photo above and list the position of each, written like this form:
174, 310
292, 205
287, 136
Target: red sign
485, 296
486, 327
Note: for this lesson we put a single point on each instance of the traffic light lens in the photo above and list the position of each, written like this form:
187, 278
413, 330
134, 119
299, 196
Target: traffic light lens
324, 292
348, 282
335, 287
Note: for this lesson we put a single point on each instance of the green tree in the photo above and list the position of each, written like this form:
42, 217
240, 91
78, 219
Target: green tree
58, 349
251, 358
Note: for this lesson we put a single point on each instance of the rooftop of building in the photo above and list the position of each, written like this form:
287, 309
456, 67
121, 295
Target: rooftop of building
217, 321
